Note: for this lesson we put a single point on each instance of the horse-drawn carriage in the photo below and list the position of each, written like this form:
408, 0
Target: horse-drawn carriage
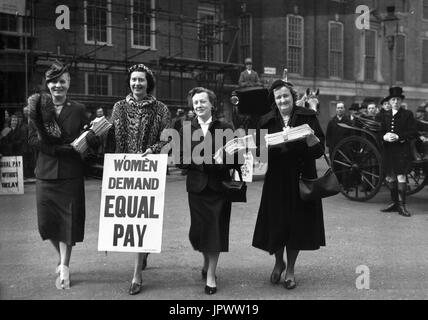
356, 160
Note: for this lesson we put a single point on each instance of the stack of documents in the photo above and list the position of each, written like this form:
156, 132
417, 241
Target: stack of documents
235, 145
100, 126
288, 135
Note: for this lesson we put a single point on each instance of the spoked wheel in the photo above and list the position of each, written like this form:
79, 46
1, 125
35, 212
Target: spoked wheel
357, 164
417, 177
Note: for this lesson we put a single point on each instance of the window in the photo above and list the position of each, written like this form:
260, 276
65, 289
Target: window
425, 10
209, 35
98, 84
400, 53
143, 23
370, 55
246, 36
425, 61
8, 22
295, 44
97, 21
335, 57
13, 30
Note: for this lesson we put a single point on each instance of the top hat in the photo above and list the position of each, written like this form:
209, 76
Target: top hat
396, 92
354, 106
55, 71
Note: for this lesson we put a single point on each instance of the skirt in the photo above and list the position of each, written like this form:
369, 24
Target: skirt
61, 209
209, 221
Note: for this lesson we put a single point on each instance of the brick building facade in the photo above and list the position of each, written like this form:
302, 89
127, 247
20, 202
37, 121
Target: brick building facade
191, 42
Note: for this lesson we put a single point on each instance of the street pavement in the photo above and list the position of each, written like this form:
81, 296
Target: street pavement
392, 247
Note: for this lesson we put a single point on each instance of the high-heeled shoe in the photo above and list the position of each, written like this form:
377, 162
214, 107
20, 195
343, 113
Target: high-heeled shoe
135, 287
63, 280
276, 273
210, 290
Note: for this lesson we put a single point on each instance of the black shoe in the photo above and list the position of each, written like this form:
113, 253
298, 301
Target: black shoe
210, 290
135, 288
276, 274
402, 210
393, 207
144, 264
290, 284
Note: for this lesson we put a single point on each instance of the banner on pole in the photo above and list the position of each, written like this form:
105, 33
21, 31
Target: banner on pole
11, 175
132, 203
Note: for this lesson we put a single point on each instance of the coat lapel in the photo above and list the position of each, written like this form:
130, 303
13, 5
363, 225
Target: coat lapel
65, 112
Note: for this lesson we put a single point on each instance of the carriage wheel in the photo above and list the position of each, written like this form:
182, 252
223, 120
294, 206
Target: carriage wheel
358, 166
417, 177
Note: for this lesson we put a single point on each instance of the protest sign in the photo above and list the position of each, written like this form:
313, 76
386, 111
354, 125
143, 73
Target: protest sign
132, 203
11, 175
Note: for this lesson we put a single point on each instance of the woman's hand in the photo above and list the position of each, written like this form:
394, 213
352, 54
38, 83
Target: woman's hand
312, 140
147, 152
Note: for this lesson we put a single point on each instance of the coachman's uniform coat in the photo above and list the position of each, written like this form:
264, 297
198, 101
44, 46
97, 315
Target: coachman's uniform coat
397, 155
284, 219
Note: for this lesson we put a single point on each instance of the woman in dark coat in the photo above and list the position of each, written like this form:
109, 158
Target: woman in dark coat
284, 220
398, 128
59, 170
209, 209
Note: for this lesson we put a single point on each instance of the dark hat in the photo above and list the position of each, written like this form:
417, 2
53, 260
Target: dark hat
385, 99
55, 71
354, 106
396, 92
280, 83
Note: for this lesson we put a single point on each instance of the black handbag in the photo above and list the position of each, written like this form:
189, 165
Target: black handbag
235, 191
322, 187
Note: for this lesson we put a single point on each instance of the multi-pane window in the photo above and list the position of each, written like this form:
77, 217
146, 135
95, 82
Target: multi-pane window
8, 22
295, 44
335, 57
206, 36
245, 36
98, 21
98, 84
400, 53
142, 23
425, 61
425, 9
370, 55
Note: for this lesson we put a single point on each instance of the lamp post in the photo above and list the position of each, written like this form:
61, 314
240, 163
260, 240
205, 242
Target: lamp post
390, 29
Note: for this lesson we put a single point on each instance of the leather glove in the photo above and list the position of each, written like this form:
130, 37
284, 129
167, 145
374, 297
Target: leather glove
64, 150
92, 140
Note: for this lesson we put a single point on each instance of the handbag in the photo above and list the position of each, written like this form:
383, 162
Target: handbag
235, 191
322, 187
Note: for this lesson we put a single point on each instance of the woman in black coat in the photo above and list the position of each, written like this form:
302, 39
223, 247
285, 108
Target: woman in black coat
284, 220
209, 208
60, 189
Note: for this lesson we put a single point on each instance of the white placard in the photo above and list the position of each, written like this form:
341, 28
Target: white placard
132, 203
269, 70
11, 175
246, 168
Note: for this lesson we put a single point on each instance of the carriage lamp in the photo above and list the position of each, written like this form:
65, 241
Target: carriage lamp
234, 100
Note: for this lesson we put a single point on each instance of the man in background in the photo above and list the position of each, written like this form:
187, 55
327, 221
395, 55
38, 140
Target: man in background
249, 77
